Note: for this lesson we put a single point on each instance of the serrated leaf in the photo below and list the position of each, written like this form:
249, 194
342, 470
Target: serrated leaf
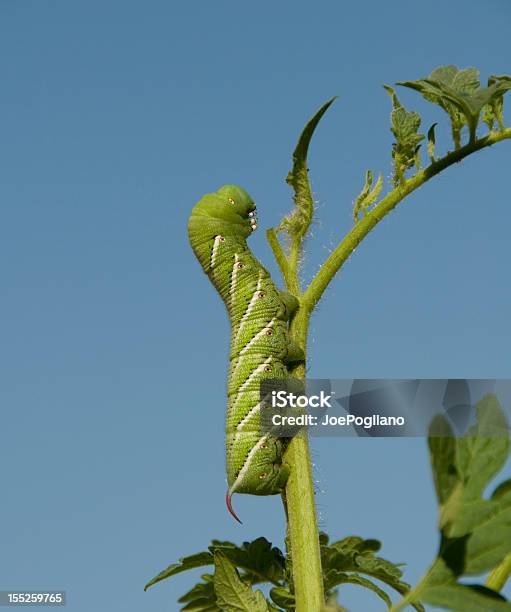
200, 590
336, 578
476, 532
488, 525
503, 78
443, 456
185, 563
463, 467
259, 558
363, 195
493, 112
357, 555
232, 594
260, 561
462, 81
404, 127
201, 597
357, 543
440, 588
469, 598
485, 448
367, 196
431, 142
379, 568
298, 221
354, 554
459, 93
283, 598
201, 605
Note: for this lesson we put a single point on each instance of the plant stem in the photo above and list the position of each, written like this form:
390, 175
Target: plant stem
303, 530
302, 540
331, 266
280, 257
301, 507
499, 575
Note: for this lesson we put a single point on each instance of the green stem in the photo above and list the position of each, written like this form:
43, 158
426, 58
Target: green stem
302, 528
302, 539
301, 507
498, 576
278, 253
331, 266
294, 261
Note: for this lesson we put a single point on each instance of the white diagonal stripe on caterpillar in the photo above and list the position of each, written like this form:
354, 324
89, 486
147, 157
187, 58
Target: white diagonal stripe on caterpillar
258, 335
216, 244
239, 429
234, 277
239, 426
259, 370
240, 361
246, 465
250, 306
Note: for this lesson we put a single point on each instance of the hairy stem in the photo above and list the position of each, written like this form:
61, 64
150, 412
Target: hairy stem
280, 256
302, 539
301, 507
499, 575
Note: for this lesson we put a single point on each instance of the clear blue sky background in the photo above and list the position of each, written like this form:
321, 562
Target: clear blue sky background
115, 117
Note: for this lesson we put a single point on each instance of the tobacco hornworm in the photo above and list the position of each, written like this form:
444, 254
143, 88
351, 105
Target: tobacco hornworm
260, 346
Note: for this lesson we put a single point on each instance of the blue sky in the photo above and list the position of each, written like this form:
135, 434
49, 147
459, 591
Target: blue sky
115, 118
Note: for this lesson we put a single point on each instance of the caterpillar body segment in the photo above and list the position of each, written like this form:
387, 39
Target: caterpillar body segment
260, 347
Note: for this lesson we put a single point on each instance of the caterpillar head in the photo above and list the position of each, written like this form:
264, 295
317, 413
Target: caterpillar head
228, 211
237, 200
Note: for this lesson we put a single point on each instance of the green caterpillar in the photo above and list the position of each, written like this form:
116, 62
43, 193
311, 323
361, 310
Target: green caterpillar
260, 346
